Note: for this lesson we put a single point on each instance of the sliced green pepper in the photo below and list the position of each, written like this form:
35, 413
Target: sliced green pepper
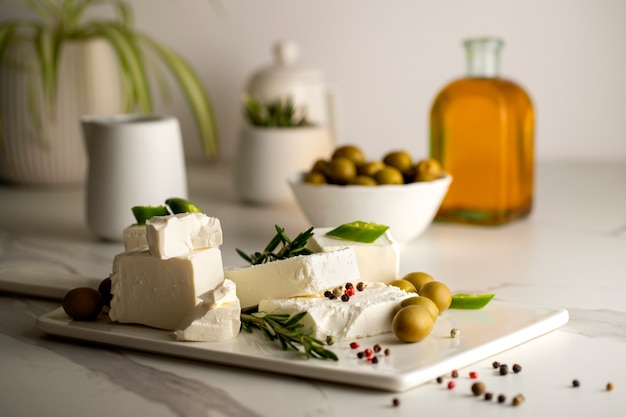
470, 301
358, 231
180, 205
143, 213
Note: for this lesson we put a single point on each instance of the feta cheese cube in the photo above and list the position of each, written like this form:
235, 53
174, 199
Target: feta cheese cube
178, 234
161, 292
378, 261
300, 275
217, 318
134, 237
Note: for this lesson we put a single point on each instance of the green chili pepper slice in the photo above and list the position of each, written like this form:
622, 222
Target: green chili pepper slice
358, 231
470, 301
143, 213
180, 205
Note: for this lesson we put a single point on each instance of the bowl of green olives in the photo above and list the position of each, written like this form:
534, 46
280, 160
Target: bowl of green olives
396, 191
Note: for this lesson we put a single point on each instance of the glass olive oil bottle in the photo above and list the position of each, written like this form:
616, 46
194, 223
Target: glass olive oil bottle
482, 133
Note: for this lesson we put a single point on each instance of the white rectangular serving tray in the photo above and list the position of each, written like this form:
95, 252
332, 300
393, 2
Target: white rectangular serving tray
497, 327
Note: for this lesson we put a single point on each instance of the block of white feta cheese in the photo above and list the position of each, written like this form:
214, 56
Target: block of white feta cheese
161, 292
300, 275
378, 261
134, 237
217, 318
367, 313
178, 234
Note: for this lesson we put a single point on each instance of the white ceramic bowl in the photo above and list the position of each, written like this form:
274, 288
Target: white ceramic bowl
407, 209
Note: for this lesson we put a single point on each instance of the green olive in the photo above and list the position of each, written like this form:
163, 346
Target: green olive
427, 170
83, 303
389, 175
340, 171
352, 152
400, 160
363, 180
439, 293
403, 285
418, 279
315, 177
422, 301
319, 166
412, 323
370, 168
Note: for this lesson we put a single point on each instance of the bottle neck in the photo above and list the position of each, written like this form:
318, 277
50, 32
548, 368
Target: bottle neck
483, 57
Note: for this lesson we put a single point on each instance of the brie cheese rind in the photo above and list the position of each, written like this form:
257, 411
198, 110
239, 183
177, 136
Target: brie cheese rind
161, 292
367, 313
178, 234
297, 276
134, 236
378, 261
217, 318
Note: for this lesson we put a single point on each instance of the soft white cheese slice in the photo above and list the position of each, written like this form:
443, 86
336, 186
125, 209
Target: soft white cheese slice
300, 275
134, 237
161, 292
367, 313
378, 261
178, 234
217, 318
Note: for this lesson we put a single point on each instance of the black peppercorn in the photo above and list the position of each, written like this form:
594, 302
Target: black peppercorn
501, 398
488, 396
517, 368
576, 383
495, 364
504, 369
345, 297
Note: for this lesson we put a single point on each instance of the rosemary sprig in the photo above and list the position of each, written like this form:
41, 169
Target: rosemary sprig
289, 248
288, 331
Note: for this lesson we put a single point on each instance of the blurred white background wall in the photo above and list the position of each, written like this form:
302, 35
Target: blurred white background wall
386, 59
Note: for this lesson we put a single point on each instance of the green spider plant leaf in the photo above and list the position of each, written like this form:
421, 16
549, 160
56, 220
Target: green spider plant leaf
196, 95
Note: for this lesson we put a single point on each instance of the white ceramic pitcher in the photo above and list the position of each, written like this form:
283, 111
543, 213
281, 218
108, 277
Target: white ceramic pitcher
133, 161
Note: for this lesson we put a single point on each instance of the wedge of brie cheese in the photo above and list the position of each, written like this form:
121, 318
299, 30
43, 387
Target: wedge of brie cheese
161, 292
367, 313
297, 276
378, 261
178, 234
217, 318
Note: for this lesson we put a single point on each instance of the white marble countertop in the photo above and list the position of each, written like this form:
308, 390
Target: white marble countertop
570, 253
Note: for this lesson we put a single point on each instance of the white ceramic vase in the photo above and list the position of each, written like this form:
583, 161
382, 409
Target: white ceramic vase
48, 149
267, 156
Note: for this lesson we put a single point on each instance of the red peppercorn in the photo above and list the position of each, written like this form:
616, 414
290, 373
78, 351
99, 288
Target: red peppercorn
350, 291
354, 345
451, 385
455, 374
368, 352
473, 375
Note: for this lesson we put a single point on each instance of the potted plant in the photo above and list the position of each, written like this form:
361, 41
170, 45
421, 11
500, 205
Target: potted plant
276, 141
60, 39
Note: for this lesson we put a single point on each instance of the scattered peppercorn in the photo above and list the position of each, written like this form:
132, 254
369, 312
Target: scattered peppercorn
504, 369
451, 385
478, 388
360, 286
354, 345
517, 400
337, 292
330, 339
517, 368
488, 396
455, 333
454, 373
501, 398
473, 375
576, 383
348, 285
360, 355
439, 379
345, 297
377, 347
609, 386
387, 352
375, 359
369, 352
349, 291
395, 402
495, 364
328, 294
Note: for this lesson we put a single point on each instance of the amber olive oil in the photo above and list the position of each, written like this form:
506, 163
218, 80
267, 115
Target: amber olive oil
482, 133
